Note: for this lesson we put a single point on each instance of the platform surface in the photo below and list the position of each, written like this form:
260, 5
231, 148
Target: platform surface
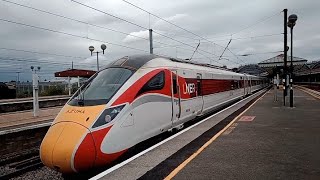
269, 141
30, 99
25, 118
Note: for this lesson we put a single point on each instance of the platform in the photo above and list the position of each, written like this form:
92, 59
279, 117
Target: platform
18, 100
13, 120
23, 104
266, 141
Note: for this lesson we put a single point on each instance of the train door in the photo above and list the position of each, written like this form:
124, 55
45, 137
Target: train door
199, 106
243, 85
176, 96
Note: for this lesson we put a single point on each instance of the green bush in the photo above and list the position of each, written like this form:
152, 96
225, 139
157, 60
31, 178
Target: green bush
54, 90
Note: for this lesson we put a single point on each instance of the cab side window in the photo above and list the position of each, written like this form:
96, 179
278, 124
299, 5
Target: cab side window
155, 83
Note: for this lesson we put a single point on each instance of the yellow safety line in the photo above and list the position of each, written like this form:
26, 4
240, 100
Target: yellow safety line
310, 93
182, 165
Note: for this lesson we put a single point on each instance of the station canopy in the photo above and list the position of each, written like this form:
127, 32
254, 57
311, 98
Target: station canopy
75, 73
278, 61
309, 69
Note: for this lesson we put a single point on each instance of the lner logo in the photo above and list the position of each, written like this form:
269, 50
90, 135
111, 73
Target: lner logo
189, 88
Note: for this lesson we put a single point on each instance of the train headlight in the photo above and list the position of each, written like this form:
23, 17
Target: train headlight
107, 116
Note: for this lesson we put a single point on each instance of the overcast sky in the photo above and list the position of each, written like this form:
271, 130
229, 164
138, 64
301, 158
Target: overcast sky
254, 26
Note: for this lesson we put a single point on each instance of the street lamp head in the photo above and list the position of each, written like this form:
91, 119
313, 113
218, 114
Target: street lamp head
32, 68
91, 48
39, 68
291, 24
293, 18
103, 47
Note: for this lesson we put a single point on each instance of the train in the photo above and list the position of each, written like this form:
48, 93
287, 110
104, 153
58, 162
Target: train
7, 91
133, 99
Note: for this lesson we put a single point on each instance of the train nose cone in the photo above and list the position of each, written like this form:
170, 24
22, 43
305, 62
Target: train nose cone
64, 149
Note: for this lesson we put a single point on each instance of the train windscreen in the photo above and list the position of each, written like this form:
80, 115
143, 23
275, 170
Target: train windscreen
100, 89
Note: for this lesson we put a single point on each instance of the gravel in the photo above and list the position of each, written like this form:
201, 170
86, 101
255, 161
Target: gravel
41, 174
5, 170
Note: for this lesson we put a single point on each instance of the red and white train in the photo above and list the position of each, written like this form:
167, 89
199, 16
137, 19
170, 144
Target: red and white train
131, 100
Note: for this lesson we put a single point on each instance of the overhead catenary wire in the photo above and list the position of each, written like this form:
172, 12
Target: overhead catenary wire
70, 34
241, 38
235, 55
180, 26
132, 22
83, 22
136, 24
44, 53
179, 35
93, 8
256, 53
209, 58
75, 20
166, 20
257, 22
109, 14
39, 61
173, 39
197, 50
244, 55
163, 19
251, 37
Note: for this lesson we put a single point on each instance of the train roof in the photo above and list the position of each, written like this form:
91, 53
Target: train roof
135, 62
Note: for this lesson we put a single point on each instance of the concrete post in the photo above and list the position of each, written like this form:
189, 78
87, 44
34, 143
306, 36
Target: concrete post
35, 88
78, 81
69, 86
97, 60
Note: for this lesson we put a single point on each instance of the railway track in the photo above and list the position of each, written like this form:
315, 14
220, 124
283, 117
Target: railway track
15, 165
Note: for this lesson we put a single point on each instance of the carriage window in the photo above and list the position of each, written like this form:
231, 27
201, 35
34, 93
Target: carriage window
155, 83
234, 84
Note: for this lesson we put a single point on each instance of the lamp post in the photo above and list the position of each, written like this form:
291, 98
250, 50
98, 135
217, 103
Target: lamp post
285, 16
291, 23
91, 49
